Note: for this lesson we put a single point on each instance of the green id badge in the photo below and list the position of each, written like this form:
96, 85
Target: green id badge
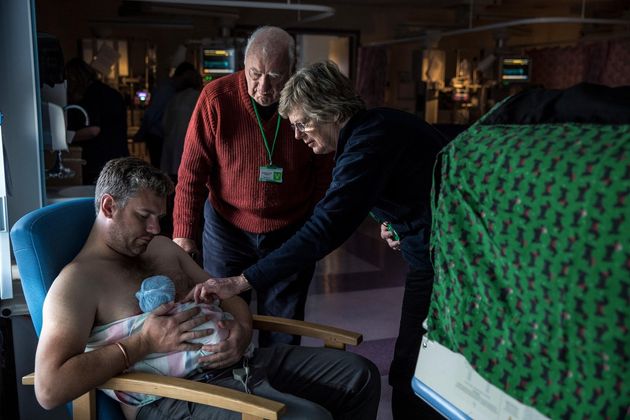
270, 173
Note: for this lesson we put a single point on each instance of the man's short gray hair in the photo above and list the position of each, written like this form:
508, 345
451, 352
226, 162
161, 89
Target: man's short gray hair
270, 38
122, 178
322, 92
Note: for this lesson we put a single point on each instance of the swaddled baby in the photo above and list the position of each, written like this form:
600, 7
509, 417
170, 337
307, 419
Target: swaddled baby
153, 292
158, 290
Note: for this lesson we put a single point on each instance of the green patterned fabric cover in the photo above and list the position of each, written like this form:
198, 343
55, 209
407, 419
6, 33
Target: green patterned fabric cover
531, 248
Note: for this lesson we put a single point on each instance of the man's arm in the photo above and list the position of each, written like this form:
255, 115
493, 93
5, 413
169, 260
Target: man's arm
63, 371
194, 169
86, 133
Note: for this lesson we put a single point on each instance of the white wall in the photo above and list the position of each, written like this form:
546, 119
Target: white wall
314, 48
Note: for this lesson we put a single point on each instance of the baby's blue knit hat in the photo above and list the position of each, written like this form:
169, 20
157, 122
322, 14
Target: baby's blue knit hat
155, 291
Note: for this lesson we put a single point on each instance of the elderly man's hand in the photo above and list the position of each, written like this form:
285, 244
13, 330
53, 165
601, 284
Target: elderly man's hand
230, 350
189, 246
222, 288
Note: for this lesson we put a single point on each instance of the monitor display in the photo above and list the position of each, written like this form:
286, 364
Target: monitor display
143, 96
218, 61
515, 70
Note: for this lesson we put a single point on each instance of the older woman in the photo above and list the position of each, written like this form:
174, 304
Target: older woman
384, 166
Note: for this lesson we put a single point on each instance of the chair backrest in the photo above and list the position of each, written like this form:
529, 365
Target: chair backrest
44, 241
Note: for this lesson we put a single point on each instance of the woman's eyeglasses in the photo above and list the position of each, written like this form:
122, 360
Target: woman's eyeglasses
301, 127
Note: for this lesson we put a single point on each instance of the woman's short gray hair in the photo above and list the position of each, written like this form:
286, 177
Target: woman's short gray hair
322, 92
122, 178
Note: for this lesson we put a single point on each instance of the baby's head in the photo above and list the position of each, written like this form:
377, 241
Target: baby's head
155, 291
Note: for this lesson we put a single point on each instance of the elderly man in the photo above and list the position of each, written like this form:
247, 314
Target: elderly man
258, 184
383, 166
95, 292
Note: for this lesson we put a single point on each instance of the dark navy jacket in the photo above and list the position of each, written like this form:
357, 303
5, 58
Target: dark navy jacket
384, 164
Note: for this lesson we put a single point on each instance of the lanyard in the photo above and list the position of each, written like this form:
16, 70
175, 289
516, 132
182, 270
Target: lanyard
262, 131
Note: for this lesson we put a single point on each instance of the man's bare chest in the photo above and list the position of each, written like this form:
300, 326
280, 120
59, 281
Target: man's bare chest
118, 294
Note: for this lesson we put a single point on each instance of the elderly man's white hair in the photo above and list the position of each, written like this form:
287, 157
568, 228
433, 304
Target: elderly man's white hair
270, 38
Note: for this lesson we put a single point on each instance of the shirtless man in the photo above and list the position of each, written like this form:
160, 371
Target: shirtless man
98, 287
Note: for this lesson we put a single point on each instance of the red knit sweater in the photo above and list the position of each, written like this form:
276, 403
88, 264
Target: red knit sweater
223, 151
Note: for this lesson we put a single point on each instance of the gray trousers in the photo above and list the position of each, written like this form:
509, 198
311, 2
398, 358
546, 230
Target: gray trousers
314, 383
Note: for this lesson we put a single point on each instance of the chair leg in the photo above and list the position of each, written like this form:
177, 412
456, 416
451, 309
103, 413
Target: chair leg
333, 344
84, 407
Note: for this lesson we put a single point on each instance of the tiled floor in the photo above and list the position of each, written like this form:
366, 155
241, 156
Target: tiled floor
359, 287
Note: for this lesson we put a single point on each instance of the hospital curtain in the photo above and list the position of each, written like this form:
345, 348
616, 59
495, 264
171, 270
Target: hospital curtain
372, 75
606, 63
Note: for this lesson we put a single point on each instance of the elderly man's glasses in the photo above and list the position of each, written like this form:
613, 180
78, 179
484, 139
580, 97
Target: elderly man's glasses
301, 127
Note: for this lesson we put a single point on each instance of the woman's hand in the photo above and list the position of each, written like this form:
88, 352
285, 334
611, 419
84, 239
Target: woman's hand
389, 236
223, 288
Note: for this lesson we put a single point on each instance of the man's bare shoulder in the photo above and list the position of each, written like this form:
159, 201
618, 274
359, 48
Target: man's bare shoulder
71, 301
163, 249
78, 276
162, 243
173, 261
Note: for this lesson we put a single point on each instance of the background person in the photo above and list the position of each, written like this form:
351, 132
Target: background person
383, 165
175, 121
105, 137
256, 184
151, 129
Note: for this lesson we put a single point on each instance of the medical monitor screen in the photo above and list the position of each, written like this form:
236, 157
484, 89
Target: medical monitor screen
218, 61
515, 70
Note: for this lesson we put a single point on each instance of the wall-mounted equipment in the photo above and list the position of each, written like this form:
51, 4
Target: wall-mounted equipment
514, 70
217, 62
110, 57
433, 67
142, 97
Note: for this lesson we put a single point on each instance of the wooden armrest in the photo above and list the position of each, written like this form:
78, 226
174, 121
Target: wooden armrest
182, 389
28, 379
197, 392
332, 337
193, 391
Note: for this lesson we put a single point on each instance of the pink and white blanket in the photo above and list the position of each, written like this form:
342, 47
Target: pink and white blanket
178, 364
